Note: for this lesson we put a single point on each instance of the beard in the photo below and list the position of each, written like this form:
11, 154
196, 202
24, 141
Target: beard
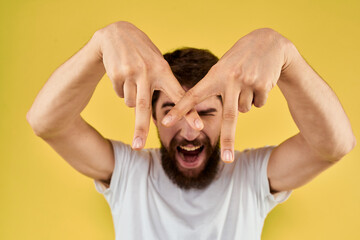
191, 178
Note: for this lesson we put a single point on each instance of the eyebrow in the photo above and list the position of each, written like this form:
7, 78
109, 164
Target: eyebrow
206, 111
167, 104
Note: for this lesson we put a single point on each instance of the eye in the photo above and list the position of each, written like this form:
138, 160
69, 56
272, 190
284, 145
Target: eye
166, 112
206, 114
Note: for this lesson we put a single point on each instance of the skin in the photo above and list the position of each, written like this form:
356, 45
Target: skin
135, 67
210, 112
251, 68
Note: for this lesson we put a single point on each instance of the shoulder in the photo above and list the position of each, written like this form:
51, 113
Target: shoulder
253, 158
127, 156
122, 149
253, 153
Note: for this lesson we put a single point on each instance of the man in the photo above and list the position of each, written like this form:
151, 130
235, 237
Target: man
183, 190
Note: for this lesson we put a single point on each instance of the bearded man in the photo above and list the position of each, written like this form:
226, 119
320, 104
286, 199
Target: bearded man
190, 188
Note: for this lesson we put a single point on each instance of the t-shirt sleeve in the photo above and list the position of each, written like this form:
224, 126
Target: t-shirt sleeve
266, 200
123, 154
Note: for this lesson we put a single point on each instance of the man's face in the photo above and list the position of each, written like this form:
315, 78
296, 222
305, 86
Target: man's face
190, 157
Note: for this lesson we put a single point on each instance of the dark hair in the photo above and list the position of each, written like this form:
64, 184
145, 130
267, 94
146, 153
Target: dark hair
189, 66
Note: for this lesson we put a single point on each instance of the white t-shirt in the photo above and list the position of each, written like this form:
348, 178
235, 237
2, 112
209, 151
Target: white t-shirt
146, 204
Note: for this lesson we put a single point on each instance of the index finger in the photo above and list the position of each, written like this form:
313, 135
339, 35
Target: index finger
228, 126
175, 92
142, 115
192, 97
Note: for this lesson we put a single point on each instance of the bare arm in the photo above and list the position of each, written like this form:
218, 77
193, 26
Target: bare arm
251, 68
325, 131
67, 91
55, 114
136, 68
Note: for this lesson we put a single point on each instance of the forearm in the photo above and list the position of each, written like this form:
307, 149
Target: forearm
315, 109
67, 91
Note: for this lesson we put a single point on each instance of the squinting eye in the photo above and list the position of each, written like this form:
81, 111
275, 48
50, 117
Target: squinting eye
206, 114
166, 112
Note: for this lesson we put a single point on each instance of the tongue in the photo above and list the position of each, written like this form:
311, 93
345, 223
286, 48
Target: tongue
190, 157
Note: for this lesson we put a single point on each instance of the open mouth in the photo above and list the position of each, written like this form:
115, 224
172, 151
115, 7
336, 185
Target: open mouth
190, 156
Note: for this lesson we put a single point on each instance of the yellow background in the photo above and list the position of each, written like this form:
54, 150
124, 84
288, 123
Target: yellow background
42, 197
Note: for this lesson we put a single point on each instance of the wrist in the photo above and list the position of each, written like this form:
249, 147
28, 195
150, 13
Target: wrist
95, 45
289, 51
90, 58
93, 48
291, 61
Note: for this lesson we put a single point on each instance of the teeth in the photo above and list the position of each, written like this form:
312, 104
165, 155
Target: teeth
190, 148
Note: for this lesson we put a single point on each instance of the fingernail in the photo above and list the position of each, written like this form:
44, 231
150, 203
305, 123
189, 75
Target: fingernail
137, 143
166, 120
227, 156
198, 124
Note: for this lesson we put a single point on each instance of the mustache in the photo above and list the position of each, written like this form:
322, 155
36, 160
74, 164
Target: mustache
179, 141
204, 178
175, 142
184, 142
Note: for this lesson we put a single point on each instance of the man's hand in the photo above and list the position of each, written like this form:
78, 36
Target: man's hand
243, 76
136, 68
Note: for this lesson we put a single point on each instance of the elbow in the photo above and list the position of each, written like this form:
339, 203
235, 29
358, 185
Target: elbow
353, 144
342, 149
32, 122
349, 146
37, 126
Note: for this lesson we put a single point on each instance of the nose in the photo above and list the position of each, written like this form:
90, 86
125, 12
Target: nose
187, 131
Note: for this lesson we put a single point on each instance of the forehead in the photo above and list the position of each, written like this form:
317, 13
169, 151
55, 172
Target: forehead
210, 102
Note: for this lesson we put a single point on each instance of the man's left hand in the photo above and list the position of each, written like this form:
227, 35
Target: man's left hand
243, 76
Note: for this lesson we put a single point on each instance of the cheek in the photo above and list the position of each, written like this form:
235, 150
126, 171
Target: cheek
212, 129
166, 135
213, 123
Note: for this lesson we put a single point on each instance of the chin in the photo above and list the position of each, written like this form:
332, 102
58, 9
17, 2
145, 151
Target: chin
191, 165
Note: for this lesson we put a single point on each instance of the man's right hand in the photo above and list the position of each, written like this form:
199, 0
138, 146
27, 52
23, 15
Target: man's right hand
136, 68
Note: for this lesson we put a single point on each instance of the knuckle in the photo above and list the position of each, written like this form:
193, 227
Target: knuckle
236, 73
261, 87
229, 114
143, 66
141, 131
227, 141
115, 75
128, 70
130, 102
162, 66
136, 69
143, 104
243, 108
259, 104
248, 80
118, 87
119, 92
